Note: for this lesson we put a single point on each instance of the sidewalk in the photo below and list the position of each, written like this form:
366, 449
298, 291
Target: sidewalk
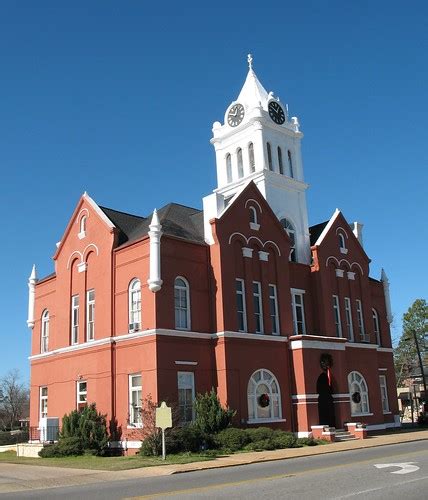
21, 477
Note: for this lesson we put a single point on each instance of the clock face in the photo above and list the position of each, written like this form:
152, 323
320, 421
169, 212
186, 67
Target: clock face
276, 112
235, 115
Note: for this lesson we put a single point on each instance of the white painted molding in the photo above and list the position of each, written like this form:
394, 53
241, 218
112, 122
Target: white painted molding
361, 345
327, 227
304, 396
254, 226
32, 280
343, 250
247, 252
98, 211
385, 349
264, 256
340, 228
351, 276
383, 369
247, 241
339, 273
82, 267
297, 290
251, 336
190, 363
316, 344
81, 235
255, 202
155, 234
341, 261
265, 421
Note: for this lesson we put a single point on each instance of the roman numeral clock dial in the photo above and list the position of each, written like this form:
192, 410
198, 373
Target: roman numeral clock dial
235, 115
276, 112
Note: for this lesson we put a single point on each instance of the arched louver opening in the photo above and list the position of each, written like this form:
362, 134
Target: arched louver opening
269, 155
229, 168
240, 163
251, 157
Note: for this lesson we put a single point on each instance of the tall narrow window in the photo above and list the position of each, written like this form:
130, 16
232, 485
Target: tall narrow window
135, 400
229, 168
82, 394
342, 244
269, 155
258, 308
281, 166
384, 393
273, 309
82, 227
74, 319
288, 226
360, 319
376, 327
290, 164
134, 301
43, 402
186, 396
336, 312
90, 315
348, 313
240, 163
182, 304
240, 305
251, 157
253, 215
298, 313
45, 332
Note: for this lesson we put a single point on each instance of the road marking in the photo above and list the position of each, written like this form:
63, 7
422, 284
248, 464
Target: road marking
265, 478
364, 492
405, 467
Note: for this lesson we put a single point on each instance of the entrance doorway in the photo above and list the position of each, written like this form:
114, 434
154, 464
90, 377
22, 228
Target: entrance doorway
325, 402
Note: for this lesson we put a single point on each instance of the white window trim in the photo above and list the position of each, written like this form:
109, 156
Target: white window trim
192, 387
75, 327
244, 306
88, 323
229, 174
80, 392
337, 318
362, 413
187, 289
300, 293
44, 334
348, 317
134, 287
382, 383
258, 296
254, 397
376, 325
360, 320
41, 399
131, 390
274, 297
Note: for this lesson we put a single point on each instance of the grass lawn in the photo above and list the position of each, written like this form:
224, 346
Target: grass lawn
104, 463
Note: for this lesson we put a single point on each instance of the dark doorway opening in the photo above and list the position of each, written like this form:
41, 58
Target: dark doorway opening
325, 401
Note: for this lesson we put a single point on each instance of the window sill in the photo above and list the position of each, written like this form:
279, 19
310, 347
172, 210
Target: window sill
361, 414
254, 226
81, 235
387, 412
135, 426
265, 420
343, 250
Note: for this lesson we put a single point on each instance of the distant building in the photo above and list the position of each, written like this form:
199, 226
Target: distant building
281, 318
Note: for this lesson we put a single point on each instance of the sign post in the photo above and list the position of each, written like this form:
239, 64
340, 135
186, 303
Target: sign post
164, 421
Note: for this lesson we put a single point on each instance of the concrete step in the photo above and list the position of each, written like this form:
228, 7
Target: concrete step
351, 437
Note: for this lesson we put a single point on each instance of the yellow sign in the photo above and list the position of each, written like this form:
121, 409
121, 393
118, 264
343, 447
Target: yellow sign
163, 416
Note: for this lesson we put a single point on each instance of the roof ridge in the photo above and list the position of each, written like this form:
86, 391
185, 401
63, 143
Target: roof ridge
121, 212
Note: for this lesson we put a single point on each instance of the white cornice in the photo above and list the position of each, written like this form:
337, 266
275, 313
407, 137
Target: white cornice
327, 227
251, 336
316, 344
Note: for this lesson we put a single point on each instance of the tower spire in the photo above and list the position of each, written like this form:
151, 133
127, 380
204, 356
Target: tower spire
250, 61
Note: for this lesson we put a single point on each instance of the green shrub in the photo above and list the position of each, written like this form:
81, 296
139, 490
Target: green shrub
260, 434
188, 438
283, 439
211, 417
308, 441
261, 445
152, 445
232, 439
66, 447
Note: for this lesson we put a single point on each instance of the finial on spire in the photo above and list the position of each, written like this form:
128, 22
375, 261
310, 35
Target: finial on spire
250, 61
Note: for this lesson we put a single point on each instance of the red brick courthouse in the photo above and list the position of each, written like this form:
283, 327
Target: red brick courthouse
281, 318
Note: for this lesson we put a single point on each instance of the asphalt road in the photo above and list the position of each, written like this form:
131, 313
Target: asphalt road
350, 474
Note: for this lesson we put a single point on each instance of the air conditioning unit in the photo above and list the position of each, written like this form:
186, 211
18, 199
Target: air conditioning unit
134, 327
49, 429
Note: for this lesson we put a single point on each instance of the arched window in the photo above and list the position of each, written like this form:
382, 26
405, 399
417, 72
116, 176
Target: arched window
134, 305
240, 163
251, 157
342, 243
229, 167
269, 154
253, 215
376, 326
182, 304
83, 224
290, 164
288, 226
44, 346
359, 394
264, 397
281, 166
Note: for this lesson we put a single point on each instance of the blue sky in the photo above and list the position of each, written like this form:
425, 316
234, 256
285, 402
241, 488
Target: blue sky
118, 99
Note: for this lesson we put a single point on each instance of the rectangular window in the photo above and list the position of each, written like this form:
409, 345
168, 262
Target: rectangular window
384, 393
240, 305
135, 400
298, 313
360, 318
43, 402
90, 315
348, 314
337, 320
273, 309
258, 308
186, 396
74, 319
82, 393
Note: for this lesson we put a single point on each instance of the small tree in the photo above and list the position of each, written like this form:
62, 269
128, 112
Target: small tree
13, 399
211, 417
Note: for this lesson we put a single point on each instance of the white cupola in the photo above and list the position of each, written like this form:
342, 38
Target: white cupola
258, 141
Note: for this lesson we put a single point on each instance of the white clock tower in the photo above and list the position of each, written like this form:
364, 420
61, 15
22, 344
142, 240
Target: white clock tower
258, 142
